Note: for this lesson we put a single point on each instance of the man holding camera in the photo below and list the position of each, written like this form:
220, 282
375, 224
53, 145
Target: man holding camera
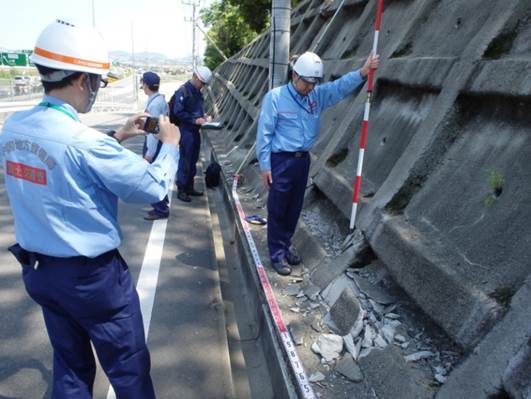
156, 106
63, 180
188, 109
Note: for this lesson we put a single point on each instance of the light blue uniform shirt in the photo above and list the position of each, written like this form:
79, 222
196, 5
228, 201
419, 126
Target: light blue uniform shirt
290, 122
64, 179
156, 106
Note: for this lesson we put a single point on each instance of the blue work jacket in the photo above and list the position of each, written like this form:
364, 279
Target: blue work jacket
188, 106
290, 122
63, 180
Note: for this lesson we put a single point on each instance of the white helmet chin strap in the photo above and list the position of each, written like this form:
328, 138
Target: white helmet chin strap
92, 93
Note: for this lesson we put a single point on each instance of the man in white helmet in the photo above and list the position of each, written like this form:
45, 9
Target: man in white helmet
63, 180
287, 129
188, 113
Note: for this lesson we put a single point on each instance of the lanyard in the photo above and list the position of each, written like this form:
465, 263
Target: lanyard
57, 108
297, 101
150, 101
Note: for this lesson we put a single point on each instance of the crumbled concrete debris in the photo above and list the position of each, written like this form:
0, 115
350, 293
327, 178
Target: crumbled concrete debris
377, 307
350, 274
316, 377
358, 325
380, 342
297, 333
441, 379
292, 289
388, 332
351, 346
439, 374
365, 352
400, 338
301, 301
316, 325
404, 345
347, 367
389, 309
329, 346
392, 316
368, 337
312, 292
414, 357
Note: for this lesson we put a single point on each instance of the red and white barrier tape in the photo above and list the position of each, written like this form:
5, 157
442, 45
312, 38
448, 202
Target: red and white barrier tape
365, 123
304, 385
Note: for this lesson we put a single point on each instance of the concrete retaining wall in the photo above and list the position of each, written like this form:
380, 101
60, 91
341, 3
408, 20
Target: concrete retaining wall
446, 187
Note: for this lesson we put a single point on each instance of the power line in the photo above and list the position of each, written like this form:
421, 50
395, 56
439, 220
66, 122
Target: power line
195, 4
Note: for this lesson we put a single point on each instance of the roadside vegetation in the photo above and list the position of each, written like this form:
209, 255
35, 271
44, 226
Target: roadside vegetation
234, 24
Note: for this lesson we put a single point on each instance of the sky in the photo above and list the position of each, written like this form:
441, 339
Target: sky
158, 25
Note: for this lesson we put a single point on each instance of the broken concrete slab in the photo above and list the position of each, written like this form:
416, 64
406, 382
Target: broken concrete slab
334, 290
347, 367
345, 311
388, 374
372, 291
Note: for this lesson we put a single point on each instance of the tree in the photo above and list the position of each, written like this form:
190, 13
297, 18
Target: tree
234, 24
228, 29
256, 13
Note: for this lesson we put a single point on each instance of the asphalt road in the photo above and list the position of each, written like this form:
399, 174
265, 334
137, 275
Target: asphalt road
186, 333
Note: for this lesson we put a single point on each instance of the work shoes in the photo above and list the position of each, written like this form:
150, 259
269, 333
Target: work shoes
183, 196
281, 267
292, 258
194, 193
155, 216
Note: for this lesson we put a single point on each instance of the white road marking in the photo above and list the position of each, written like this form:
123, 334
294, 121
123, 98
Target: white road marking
149, 274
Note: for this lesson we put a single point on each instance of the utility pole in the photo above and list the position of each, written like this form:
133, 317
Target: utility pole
280, 42
135, 83
93, 15
195, 4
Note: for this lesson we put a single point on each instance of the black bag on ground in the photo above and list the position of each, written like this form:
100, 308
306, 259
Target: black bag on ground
213, 174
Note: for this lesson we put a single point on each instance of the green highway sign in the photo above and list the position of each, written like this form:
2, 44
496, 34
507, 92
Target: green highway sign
14, 59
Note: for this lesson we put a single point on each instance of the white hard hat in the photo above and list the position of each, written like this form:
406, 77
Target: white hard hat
309, 67
64, 46
203, 74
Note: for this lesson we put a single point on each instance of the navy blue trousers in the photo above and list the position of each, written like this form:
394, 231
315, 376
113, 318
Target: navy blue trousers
286, 197
92, 300
189, 148
160, 208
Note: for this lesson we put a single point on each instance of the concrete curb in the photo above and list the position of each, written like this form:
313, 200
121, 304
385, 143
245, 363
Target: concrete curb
280, 373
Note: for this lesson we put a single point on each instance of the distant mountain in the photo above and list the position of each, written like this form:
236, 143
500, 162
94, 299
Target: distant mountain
148, 58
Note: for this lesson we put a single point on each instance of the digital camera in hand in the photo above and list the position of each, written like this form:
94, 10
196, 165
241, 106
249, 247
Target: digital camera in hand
151, 125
